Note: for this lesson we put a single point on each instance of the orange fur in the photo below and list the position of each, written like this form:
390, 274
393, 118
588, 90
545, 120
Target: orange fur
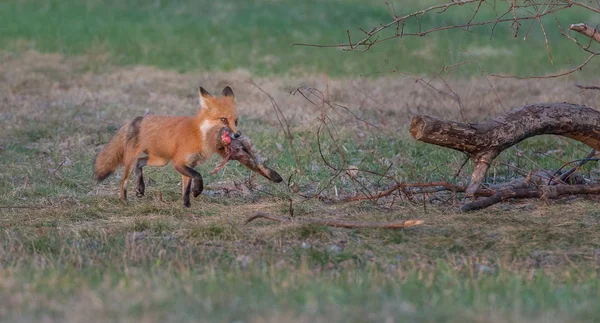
185, 141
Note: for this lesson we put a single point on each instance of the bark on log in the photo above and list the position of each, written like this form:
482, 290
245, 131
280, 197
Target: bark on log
483, 142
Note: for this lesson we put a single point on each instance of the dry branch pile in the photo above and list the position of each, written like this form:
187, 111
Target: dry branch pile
483, 142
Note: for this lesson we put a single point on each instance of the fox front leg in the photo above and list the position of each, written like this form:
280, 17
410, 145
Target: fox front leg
197, 186
191, 181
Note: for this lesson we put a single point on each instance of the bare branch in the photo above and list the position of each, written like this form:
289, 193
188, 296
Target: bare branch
547, 192
285, 126
546, 39
583, 5
564, 177
338, 223
588, 87
571, 71
517, 12
589, 31
367, 42
436, 187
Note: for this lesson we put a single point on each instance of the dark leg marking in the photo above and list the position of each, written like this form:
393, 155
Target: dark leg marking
141, 187
186, 195
194, 177
197, 186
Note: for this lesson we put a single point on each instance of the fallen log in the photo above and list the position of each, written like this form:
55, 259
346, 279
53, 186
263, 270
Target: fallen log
546, 192
483, 142
337, 223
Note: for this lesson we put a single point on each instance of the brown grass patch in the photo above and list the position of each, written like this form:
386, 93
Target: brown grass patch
32, 81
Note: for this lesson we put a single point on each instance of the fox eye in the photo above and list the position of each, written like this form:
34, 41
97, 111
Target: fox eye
236, 122
224, 120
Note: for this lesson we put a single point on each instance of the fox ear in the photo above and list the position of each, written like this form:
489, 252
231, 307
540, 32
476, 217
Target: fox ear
228, 92
203, 95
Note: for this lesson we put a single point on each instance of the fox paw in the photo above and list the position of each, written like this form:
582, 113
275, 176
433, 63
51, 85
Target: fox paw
197, 187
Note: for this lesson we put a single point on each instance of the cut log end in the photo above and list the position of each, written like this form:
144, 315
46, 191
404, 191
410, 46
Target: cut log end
416, 127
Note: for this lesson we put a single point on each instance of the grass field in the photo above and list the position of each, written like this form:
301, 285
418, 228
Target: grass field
72, 72
257, 36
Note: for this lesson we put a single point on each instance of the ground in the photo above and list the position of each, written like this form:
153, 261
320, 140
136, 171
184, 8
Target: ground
69, 251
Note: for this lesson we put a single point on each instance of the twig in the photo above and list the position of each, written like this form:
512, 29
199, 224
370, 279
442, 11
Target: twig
571, 71
325, 101
337, 223
283, 123
546, 39
367, 41
588, 87
21, 207
580, 162
532, 11
438, 187
578, 3
474, 13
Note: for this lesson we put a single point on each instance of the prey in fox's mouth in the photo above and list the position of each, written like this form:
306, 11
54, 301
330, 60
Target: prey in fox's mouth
242, 150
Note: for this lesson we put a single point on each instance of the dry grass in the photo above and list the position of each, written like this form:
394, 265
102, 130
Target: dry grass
74, 252
116, 93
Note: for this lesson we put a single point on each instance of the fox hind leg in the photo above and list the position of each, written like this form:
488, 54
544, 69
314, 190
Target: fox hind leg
141, 187
150, 160
127, 165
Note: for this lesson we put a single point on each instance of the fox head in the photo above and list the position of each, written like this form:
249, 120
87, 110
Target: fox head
218, 111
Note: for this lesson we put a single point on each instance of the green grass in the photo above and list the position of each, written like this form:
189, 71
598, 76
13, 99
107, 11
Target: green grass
257, 36
228, 292
69, 252
72, 251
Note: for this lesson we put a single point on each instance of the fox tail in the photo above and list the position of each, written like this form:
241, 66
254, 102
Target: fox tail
111, 155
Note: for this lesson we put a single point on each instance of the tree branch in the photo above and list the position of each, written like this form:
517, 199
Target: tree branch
579, 4
588, 87
483, 142
548, 192
337, 223
589, 31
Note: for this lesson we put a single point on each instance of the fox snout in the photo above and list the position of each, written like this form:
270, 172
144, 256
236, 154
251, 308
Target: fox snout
228, 130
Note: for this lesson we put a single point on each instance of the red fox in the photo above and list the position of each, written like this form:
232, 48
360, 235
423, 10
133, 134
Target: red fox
186, 141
